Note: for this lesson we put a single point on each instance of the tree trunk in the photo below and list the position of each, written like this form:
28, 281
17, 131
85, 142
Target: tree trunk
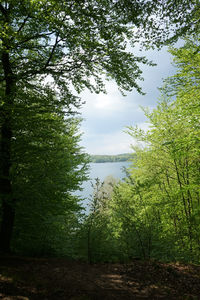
6, 195
8, 214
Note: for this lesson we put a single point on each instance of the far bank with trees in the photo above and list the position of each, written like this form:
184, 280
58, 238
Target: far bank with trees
111, 158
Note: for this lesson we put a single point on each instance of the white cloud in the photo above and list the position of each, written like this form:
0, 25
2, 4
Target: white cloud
107, 115
113, 143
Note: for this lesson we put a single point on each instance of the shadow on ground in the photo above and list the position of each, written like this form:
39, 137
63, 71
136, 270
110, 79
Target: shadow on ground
33, 278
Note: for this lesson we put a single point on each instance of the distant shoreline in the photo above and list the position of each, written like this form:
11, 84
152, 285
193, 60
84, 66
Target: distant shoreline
111, 158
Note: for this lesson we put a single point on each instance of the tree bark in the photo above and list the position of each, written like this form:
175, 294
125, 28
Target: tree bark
6, 195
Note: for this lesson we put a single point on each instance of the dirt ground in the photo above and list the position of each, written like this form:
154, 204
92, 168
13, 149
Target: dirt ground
32, 278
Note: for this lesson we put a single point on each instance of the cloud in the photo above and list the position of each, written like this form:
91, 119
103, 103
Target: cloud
112, 143
107, 115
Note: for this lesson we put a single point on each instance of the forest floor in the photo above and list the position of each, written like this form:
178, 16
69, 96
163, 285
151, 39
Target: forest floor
38, 278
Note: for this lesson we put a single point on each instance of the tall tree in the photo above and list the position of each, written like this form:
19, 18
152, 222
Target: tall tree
47, 166
72, 41
47, 163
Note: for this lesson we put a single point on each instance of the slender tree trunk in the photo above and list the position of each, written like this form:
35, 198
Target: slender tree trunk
89, 241
186, 208
6, 195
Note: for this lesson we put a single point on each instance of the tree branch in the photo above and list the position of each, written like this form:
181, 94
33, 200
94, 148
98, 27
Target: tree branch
2, 9
51, 54
34, 37
23, 24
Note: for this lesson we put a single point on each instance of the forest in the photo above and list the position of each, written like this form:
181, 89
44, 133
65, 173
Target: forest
50, 52
110, 158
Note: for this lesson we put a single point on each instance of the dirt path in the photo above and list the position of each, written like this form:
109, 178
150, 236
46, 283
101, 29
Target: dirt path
29, 278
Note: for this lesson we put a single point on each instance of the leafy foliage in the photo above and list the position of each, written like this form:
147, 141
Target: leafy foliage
159, 202
154, 213
48, 165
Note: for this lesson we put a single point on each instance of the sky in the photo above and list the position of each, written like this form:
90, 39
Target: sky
106, 116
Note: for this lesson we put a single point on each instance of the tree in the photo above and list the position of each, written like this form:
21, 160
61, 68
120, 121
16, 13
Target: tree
71, 42
155, 211
47, 166
95, 239
168, 168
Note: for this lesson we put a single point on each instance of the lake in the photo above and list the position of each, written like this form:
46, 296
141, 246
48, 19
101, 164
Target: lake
101, 171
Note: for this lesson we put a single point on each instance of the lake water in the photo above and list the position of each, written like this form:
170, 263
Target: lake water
101, 171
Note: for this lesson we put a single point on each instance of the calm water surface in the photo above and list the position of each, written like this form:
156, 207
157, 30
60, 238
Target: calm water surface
101, 171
